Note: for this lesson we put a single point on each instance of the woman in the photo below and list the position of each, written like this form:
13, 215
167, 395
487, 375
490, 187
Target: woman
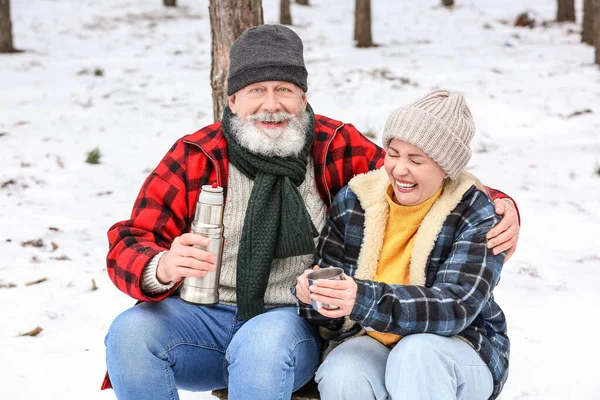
416, 317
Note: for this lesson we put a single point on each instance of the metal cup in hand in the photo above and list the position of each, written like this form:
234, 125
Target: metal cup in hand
325, 273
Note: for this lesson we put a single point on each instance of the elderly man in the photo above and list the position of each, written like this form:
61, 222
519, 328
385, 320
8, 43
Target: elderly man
280, 165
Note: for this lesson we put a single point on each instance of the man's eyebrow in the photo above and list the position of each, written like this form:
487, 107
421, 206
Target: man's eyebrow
415, 155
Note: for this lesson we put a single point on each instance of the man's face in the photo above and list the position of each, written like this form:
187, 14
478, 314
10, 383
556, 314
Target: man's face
271, 118
265, 98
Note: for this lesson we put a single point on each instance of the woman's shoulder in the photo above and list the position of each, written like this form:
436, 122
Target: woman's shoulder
479, 198
477, 205
466, 196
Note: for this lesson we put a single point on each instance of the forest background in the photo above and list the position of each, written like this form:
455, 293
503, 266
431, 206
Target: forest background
100, 91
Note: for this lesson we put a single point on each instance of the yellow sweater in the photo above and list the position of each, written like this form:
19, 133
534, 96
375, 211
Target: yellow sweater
394, 262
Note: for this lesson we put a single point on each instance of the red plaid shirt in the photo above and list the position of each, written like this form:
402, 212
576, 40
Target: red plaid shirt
165, 206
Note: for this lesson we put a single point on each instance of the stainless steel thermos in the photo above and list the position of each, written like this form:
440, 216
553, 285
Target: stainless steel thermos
208, 222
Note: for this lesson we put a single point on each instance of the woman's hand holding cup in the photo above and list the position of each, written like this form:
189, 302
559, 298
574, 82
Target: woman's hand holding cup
333, 295
302, 291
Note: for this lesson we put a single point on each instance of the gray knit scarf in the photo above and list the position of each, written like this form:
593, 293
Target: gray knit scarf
277, 224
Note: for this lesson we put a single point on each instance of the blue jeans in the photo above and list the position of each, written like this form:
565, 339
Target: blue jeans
153, 349
420, 367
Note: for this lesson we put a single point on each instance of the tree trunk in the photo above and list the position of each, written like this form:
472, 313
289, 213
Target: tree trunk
362, 24
6, 43
596, 28
228, 19
565, 11
170, 3
587, 33
285, 16
447, 3
303, 2
355, 21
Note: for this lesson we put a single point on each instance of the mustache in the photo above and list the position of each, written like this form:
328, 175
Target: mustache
271, 117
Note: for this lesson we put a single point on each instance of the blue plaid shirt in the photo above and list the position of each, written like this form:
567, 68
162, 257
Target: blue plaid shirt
456, 299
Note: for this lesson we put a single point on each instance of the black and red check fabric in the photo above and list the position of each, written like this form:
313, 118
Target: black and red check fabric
165, 205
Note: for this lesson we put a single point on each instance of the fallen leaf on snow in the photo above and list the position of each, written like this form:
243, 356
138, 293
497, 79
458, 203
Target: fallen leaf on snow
9, 182
36, 281
9, 285
579, 112
33, 243
33, 332
62, 258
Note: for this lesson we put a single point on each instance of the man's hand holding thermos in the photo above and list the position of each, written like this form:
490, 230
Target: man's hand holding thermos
184, 260
196, 257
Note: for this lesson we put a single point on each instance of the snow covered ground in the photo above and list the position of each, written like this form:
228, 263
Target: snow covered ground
129, 77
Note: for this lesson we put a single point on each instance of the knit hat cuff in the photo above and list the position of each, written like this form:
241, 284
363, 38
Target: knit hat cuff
431, 135
286, 73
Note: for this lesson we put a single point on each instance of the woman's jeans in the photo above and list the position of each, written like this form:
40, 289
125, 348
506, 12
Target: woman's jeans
153, 349
421, 366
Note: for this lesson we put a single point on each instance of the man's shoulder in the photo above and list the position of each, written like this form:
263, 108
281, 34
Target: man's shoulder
209, 138
325, 123
329, 124
326, 127
204, 134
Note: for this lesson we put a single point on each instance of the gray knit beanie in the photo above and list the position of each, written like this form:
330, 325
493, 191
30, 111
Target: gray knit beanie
440, 124
266, 53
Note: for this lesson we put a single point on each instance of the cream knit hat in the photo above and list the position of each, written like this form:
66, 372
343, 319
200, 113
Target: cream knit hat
440, 124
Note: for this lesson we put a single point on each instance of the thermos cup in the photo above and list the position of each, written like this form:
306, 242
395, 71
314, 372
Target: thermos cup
324, 273
208, 222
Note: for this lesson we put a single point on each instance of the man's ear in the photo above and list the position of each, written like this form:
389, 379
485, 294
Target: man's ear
304, 100
232, 103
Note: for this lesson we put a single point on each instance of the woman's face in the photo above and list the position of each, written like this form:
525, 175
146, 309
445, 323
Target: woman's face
414, 176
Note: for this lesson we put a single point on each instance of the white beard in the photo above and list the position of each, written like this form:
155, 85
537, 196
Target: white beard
277, 142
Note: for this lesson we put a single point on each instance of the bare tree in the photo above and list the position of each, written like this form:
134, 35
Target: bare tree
285, 16
565, 11
447, 3
362, 24
587, 33
170, 3
303, 2
596, 28
228, 19
6, 42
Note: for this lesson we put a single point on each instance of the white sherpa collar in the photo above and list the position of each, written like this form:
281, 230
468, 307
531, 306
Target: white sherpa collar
370, 188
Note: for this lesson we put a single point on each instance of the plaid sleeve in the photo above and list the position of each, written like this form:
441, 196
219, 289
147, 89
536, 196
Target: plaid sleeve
462, 286
333, 250
158, 216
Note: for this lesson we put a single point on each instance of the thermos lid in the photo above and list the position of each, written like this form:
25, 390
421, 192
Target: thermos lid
211, 194
208, 229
